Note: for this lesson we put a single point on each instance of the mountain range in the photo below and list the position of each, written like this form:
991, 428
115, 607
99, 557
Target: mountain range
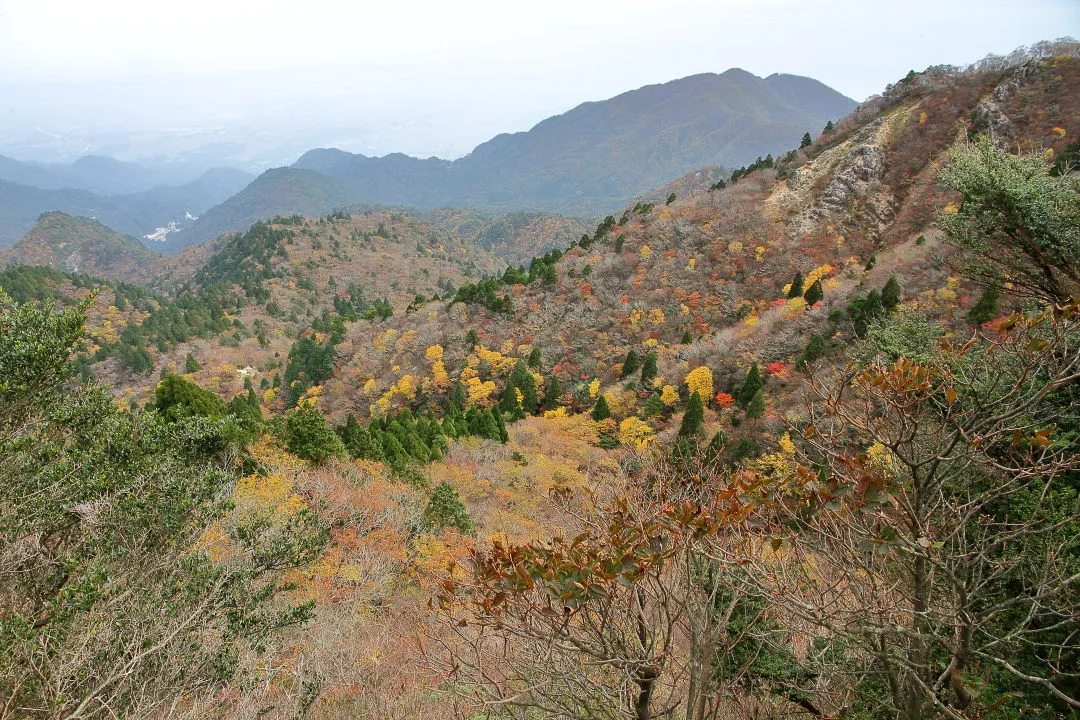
586, 162
594, 158
135, 213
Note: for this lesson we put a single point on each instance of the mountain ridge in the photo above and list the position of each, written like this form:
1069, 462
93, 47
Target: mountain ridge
594, 157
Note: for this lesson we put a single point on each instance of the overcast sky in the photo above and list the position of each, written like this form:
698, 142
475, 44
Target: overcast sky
439, 77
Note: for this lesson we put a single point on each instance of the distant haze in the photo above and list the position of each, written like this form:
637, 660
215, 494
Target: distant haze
254, 84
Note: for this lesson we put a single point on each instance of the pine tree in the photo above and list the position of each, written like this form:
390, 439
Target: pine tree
829, 127
891, 294
191, 365
806, 140
814, 293
796, 286
648, 368
534, 358
630, 364
686, 338
693, 417
600, 410
445, 509
751, 385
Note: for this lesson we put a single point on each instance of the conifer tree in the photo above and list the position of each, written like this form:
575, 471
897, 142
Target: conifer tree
891, 294
686, 338
654, 405
796, 286
310, 437
191, 364
814, 293
806, 140
630, 364
756, 408
534, 358
987, 308
814, 350
648, 368
693, 417
600, 410
445, 509
553, 393
750, 386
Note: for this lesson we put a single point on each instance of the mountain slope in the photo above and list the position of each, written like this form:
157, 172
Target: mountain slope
282, 191
598, 155
81, 245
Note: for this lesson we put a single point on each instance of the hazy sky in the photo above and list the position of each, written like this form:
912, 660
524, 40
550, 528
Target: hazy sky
439, 77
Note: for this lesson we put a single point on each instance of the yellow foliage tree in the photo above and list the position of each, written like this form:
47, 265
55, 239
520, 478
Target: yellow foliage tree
700, 381
669, 396
635, 432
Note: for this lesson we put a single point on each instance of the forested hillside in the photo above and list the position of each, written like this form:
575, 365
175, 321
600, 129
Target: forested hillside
794, 439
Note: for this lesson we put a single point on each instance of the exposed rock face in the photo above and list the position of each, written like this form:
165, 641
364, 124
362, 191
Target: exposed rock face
855, 184
73, 262
988, 116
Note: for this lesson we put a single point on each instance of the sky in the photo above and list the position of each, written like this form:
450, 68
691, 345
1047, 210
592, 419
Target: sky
438, 78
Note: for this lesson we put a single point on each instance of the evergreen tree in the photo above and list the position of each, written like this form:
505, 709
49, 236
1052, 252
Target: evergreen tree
750, 386
987, 308
554, 392
630, 364
191, 365
654, 405
648, 368
686, 338
891, 294
796, 286
310, 437
359, 441
873, 306
392, 451
715, 448
248, 415
693, 417
176, 397
445, 509
814, 293
534, 358
504, 436
488, 427
523, 380
756, 408
813, 350
829, 127
458, 397
806, 140
600, 410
